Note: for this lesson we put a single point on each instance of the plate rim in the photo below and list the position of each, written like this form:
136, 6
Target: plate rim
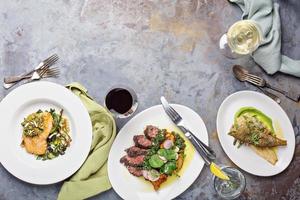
136, 116
88, 125
275, 104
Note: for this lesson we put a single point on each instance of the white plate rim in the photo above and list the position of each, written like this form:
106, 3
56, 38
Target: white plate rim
271, 101
206, 141
85, 120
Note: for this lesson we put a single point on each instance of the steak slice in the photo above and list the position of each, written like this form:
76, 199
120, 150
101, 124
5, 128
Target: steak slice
132, 161
142, 142
135, 171
135, 151
151, 132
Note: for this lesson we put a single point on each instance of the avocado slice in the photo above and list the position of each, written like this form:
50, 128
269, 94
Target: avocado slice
267, 121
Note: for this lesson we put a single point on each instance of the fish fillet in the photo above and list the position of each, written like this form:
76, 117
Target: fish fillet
37, 145
250, 130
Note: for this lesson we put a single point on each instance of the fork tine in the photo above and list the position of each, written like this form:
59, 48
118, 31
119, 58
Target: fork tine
54, 56
53, 69
170, 114
250, 81
51, 61
52, 73
43, 71
170, 111
254, 82
177, 116
255, 77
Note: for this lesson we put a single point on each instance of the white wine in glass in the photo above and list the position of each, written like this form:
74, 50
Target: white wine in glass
242, 38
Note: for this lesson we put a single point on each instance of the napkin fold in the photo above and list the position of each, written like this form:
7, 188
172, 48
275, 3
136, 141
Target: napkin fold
92, 177
268, 55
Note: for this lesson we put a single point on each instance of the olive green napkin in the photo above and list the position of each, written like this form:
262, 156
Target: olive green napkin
268, 55
92, 177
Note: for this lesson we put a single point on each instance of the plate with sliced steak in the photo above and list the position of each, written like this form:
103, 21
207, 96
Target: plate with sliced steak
150, 157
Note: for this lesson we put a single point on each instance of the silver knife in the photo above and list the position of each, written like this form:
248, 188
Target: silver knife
206, 152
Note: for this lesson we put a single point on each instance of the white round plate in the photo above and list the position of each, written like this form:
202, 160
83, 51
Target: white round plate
244, 157
130, 187
27, 99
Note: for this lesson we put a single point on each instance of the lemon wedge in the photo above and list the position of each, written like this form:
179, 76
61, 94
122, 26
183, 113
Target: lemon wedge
215, 169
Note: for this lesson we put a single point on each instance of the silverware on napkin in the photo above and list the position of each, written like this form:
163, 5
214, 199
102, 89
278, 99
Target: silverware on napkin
243, 75
206, 152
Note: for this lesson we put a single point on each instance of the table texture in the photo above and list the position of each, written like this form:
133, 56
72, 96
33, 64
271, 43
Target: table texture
158, 48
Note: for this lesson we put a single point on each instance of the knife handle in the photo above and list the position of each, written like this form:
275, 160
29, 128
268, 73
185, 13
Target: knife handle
206, 149
14, 79
198, 147
292, 96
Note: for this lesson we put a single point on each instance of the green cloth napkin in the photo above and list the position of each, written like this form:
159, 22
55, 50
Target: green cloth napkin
92, 177
268, 55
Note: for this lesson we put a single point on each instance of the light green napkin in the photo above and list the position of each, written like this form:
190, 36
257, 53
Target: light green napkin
268, 55
92, 177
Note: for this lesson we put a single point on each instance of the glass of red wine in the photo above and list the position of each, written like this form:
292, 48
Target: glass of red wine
121, 101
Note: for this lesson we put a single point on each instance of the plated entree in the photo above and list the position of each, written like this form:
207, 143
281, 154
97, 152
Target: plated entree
156, 155
46, 134
252, 127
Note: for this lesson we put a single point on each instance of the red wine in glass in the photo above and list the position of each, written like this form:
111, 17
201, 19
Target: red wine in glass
121, 101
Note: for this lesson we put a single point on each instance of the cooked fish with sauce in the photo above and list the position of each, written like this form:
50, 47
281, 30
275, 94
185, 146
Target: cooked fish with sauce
248, 129
254, 128
46, 134
40, 126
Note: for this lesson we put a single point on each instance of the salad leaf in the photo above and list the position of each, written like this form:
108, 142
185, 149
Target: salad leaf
169, 154
168, 168
155, 161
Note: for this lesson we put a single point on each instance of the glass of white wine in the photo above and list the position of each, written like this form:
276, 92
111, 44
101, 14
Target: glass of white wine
242, 38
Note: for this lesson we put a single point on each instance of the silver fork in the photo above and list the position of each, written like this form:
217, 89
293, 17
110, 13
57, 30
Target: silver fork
243, 77
45, 72
52, 73
258, 81
206, 152
46, 63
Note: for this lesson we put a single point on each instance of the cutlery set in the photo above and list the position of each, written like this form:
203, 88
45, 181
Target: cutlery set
244, 76
43, 70
206, 153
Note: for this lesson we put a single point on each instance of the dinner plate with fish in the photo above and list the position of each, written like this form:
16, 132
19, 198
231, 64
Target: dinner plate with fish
255, 133
151, 158
42, 126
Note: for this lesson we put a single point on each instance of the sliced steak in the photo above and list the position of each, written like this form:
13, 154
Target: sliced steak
132, 161
135, 171
151, 132
135, 151
142, 142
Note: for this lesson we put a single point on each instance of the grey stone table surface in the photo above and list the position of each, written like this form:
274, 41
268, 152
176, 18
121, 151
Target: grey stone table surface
158, 48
